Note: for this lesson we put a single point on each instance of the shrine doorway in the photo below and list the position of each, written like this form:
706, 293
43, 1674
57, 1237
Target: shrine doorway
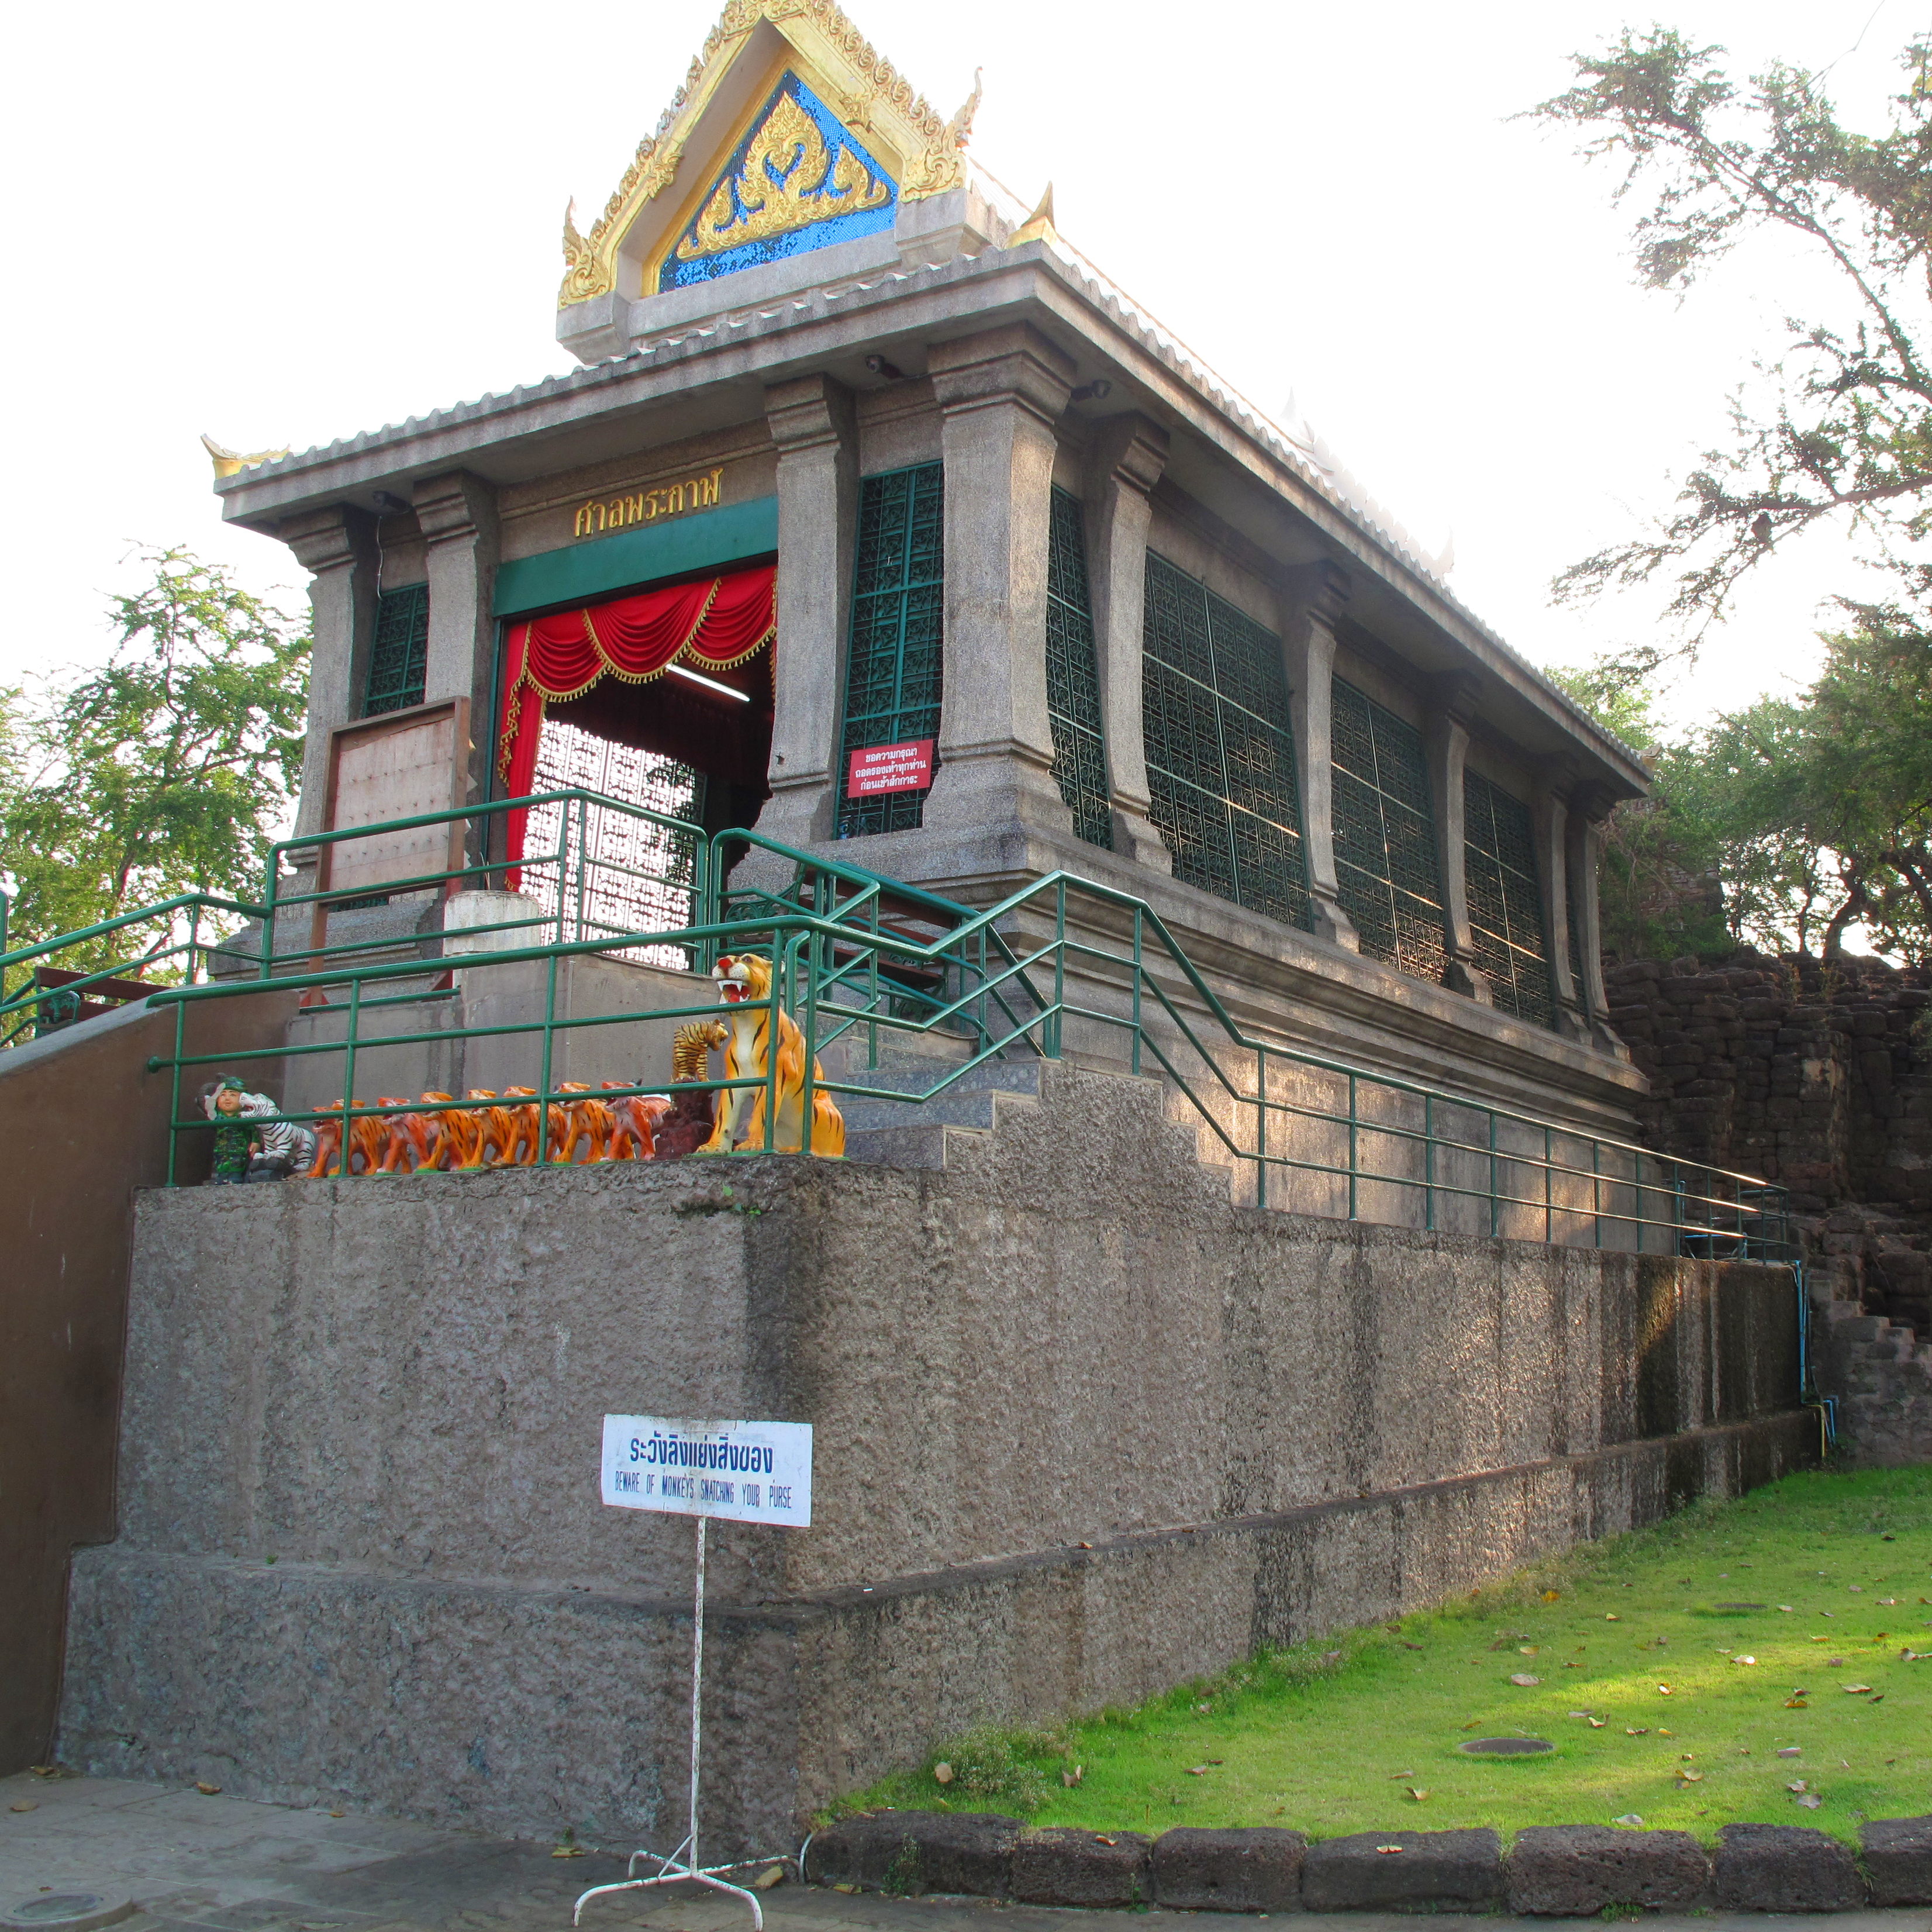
661, 699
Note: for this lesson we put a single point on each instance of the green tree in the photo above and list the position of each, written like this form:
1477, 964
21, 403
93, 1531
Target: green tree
1810, 814
1839, 430
1659, 895
1871, 772
166, 770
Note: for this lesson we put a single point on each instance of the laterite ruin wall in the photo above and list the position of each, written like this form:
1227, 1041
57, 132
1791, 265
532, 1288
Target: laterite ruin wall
1084, 1430
1802, 1071
1818, 1074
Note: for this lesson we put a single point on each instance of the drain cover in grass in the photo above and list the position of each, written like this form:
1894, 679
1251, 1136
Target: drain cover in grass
67, 1911
1505, 1747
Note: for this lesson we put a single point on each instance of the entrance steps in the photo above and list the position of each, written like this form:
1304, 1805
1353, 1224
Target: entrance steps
1014, 1097
915, 1133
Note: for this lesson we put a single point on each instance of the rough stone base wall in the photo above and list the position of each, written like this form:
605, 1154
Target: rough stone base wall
361, 1556
533, 1711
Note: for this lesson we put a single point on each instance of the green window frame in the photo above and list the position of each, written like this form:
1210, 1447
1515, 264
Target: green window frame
1073, 675
1387, 876
399, 657
894, 671
1506, 901
1220, 747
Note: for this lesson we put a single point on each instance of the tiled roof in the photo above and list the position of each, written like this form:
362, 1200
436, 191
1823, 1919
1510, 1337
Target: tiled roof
1306, 455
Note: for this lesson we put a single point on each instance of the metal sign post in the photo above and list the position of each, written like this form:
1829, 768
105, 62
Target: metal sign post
747, 1472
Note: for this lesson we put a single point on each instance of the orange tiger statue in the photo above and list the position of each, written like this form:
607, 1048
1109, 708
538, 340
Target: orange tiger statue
741, 1110
460, 1149
522, 1149
634, 1118
590, 1121
367, 1138
496, 1130
328, 1143
408, 1138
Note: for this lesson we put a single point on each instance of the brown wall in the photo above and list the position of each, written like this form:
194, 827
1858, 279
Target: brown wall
83, 1124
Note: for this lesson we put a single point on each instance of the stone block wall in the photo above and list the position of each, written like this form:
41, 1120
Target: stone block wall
1085, 1430
1814, 1074
1801, 1072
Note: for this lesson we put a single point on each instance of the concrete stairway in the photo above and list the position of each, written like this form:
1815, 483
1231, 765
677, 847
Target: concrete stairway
913, 1133
1005, 1094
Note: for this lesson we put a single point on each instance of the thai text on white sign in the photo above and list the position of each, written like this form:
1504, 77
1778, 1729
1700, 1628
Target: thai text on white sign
748, 1471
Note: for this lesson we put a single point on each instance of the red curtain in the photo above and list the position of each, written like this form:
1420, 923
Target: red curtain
718, 622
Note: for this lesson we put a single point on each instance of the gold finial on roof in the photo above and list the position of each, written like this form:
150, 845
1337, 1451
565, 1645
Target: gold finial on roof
1038, 226
232, 462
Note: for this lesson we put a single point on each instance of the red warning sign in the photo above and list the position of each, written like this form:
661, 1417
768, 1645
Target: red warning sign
877, 768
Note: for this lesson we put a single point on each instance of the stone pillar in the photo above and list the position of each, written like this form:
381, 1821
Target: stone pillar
812, 422
1446, 742
1593, 805
1001, 392
1550, 818
1129, 453
458, 515
337, 545
1313, 600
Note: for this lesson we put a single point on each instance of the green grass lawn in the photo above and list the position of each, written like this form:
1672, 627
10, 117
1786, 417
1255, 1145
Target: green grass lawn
1776, 1622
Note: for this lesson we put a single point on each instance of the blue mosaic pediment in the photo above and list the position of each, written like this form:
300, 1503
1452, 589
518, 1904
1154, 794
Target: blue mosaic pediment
798, 181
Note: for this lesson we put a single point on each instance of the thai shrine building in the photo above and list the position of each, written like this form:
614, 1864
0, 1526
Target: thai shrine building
971, 573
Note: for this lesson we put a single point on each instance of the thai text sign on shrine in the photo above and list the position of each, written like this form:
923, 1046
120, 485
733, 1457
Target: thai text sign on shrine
876, 768
750, 1471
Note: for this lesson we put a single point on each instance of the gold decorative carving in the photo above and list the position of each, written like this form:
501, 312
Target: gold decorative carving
584, 276
231, 463
1038, 226
789, 179
938, 168
880, 100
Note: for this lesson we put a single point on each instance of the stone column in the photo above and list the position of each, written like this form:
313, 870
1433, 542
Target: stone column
1313, 603
338, 545
1593, 805
458, 515
1001, 392
1446, 742
1549, 811
1129, 453
812, 422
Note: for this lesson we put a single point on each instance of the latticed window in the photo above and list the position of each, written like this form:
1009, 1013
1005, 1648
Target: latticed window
1505, 903
399, 661
893, 678
618, 874
1220, 754
1387, 875
1073, 675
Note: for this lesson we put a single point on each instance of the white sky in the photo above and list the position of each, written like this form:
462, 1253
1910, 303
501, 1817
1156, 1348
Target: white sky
284, 226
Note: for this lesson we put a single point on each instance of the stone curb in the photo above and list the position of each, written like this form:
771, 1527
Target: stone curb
1572, 1871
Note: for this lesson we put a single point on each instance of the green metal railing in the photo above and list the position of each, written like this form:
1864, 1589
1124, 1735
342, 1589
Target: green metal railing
865, 965
192, 937
185, 939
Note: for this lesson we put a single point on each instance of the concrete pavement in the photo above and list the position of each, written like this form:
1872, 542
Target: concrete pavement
196, 1863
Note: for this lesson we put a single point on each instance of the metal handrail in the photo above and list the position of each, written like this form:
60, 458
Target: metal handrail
703, 887
32, 1007
1007, 978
